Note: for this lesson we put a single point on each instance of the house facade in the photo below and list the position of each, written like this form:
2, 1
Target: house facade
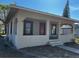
27, 27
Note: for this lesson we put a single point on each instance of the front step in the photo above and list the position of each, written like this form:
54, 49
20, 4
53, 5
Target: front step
54, 43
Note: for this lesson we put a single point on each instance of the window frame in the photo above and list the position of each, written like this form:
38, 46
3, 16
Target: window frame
31, 28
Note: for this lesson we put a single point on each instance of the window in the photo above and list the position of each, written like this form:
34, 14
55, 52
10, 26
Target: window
28, 27
42, 30
53, 29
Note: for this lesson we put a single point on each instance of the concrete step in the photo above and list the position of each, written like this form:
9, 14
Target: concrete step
55, 43
54, 40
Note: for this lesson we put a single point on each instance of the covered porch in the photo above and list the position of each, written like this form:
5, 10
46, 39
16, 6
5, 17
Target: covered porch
60, 32
34, 32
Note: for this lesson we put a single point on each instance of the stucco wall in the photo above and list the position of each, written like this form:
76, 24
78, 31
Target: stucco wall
12, 36
35, 28
66, 38
29, 41
77, 32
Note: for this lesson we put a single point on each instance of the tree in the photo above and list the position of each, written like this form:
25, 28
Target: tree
3, 10
3, 13
66, 12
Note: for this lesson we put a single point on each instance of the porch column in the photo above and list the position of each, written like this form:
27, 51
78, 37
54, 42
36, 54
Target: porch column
48, 27
9, 28
59, 32
73, 31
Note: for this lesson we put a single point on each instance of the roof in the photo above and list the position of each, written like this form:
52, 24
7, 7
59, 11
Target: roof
44, 13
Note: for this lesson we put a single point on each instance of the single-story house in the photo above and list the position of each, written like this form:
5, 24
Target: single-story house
27, 27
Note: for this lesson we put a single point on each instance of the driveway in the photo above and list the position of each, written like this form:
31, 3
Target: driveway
49, 52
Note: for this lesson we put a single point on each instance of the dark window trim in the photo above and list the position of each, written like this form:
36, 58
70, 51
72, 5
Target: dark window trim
31, 31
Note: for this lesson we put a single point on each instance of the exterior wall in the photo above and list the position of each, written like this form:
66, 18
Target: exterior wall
32, 40
21, 41
66, 38
36, 25
12, 36
77, 32
29, 41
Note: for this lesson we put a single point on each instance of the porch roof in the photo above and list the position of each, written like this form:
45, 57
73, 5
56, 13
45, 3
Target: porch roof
15, 8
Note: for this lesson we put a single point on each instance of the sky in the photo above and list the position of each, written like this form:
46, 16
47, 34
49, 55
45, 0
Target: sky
49, 6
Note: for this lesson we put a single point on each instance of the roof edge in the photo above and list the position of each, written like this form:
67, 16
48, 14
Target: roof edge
45, 13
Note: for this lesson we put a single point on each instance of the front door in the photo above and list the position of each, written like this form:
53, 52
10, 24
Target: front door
53, 32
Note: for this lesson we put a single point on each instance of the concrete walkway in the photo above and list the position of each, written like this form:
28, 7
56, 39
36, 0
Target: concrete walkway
74, 50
